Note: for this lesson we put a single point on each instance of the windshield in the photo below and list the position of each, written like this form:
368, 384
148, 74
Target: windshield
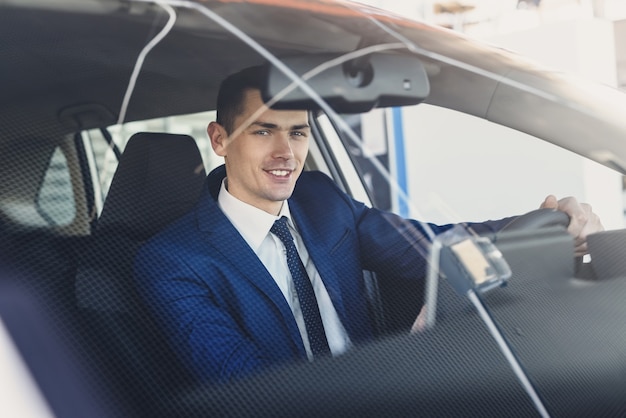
441, 287
484, 160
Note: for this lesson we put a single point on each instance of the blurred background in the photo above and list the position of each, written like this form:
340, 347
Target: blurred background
584, 37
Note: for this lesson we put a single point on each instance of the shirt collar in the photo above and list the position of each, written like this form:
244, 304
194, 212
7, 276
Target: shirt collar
252, 223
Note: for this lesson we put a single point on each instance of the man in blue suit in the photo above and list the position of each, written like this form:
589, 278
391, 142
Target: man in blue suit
218, 281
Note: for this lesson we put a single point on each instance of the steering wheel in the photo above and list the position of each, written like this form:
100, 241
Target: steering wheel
538, 218
542, 218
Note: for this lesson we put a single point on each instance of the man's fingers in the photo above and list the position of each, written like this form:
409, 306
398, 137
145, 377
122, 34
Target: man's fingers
577, 217
592, 224
550, 202
583, 221
581, 250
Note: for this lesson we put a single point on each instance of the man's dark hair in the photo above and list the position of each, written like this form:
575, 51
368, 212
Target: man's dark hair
231, 94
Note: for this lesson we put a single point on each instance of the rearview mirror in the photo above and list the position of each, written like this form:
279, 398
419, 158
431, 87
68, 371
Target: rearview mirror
355, 86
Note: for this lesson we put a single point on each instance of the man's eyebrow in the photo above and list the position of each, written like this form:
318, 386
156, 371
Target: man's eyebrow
269, 125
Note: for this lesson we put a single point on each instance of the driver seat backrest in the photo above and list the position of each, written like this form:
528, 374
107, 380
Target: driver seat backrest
158, 179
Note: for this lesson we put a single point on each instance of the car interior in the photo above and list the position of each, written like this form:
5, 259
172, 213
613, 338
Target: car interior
72, 249
158, 179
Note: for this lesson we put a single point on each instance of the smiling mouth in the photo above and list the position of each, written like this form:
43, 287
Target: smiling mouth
280, 173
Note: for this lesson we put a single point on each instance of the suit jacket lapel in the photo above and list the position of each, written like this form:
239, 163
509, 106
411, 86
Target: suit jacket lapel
221, 236
319, 250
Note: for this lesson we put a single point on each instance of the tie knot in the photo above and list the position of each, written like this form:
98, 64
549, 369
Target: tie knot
281, 230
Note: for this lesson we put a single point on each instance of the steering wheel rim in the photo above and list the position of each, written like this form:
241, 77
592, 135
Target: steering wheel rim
536, 219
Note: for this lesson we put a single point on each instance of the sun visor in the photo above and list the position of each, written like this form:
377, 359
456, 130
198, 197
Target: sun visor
354, 86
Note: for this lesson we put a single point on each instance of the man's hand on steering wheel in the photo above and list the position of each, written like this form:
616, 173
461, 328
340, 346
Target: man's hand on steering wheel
583, 221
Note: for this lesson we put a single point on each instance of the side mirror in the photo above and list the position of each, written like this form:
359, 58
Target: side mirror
374, 80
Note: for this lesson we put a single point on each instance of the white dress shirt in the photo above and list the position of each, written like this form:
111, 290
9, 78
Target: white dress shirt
254, 226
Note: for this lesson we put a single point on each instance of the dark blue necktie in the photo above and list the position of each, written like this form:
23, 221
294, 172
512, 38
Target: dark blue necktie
304, 289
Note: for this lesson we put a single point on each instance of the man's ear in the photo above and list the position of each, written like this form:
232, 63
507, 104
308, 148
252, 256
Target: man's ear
219, 138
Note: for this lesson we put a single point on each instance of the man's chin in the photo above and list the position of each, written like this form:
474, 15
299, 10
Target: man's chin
281, 196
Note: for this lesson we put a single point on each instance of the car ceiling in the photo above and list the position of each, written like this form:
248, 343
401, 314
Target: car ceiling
67, 64
55, 59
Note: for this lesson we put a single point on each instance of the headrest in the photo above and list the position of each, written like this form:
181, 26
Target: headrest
158, 179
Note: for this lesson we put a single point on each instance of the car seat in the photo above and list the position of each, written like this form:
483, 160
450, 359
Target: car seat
158, 179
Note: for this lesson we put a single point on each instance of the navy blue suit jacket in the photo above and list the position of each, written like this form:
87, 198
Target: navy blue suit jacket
223, 312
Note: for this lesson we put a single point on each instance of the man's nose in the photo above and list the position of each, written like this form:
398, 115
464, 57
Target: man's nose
282, 146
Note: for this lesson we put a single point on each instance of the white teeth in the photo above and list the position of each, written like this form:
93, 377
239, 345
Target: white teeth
280, 173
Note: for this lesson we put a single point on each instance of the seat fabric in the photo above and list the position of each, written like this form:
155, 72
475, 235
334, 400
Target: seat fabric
158, 179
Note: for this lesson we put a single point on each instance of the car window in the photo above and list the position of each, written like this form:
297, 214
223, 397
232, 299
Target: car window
453, 167
55, 202
371, 155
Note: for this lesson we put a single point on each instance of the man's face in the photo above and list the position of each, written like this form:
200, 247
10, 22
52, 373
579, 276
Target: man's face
265, 153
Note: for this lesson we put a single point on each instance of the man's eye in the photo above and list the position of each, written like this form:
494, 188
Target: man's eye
298, 133
262, 132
